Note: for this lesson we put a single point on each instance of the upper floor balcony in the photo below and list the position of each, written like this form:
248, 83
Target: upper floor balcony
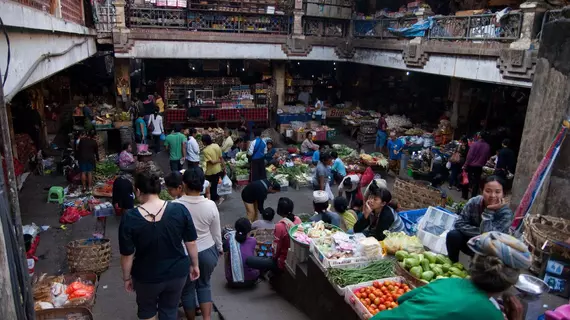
329, 30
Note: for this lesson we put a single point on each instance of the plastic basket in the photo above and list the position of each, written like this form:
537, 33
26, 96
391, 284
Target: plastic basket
433, 228
411, 219
357, 306
339, 263
64, 313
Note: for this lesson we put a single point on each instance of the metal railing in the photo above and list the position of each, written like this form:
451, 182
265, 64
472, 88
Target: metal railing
325, 27
105, 17
238, 22
152, 17
477, 27
378, 28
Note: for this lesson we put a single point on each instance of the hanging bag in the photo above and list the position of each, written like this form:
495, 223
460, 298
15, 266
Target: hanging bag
151, 123
464, 178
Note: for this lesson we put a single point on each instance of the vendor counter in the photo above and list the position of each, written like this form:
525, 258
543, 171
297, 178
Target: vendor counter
310, 291
173, 116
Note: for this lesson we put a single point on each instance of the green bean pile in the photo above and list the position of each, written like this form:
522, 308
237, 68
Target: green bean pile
376, 270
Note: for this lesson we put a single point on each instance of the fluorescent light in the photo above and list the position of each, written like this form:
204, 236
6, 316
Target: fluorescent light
242, 69
408, 73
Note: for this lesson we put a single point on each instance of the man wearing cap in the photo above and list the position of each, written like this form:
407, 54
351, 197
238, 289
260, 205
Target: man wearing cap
175, 144
321, 207
254, 194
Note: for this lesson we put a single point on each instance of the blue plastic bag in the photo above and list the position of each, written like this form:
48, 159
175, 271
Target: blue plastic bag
162, 137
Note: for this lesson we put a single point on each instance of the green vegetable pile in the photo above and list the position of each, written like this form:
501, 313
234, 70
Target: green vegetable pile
242, 171
106, 168
344, 151
241, 159
376, 270
429, 266
163, 195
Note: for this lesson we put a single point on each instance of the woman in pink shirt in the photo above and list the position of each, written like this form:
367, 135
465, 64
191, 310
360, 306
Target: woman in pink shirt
281, 242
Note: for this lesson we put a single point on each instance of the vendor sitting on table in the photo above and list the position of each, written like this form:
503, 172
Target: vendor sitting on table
127, 161
495, 268
308, 147
270, 154
378, 215
485, 213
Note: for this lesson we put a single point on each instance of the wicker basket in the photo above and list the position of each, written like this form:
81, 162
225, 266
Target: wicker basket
64, 313
415, 282
415, 195
89, 255
538, 230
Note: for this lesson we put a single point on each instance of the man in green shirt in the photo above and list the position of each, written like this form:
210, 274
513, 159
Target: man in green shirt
175, 144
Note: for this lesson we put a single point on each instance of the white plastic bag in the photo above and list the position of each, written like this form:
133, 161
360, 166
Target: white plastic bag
225, 186
448, 165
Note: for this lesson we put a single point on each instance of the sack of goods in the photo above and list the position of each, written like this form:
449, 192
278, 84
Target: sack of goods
370, 247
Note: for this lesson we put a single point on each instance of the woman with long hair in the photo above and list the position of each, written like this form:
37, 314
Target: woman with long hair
378, 215
152, 238
206, 218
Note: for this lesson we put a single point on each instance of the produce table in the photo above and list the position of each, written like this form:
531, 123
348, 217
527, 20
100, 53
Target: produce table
310, 291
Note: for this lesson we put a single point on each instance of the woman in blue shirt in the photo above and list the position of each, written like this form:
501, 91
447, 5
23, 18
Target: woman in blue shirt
338, 169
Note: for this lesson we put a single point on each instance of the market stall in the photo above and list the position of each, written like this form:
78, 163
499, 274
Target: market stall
209, 101
356, 277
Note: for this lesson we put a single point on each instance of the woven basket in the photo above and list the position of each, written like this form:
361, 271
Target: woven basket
89, 255
415, 195
546, 228
264, 245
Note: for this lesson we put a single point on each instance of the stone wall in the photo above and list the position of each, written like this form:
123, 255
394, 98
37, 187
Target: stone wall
548, 105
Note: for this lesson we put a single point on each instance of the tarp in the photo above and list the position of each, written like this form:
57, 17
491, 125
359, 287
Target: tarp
418, 29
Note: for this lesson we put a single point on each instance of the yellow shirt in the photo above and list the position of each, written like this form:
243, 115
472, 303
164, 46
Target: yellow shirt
160, 104
227, 145
349, 218
212, 152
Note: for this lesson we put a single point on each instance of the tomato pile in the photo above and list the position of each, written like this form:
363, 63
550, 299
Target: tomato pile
380, 296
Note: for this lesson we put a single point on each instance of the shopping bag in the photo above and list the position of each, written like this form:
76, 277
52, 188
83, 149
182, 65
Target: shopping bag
448, 165
464, 177
329, 191
162, 137
225, 186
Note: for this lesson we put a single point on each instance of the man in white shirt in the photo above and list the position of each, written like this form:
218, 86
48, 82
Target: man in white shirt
192, 150
349, 185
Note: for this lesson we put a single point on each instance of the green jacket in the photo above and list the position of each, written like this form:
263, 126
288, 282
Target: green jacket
444, 299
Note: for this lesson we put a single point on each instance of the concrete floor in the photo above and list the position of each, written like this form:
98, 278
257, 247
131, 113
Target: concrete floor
114, 303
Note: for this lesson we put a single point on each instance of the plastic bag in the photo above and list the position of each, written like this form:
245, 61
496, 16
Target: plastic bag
448, 165
225, 186
367, 177
70, 215
464, 178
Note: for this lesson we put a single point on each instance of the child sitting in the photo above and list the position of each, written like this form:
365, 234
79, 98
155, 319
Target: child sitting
238, 246
266, 221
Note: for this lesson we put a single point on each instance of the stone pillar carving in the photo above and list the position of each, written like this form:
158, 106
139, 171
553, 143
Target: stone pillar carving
548, 106
533, 12
298, 14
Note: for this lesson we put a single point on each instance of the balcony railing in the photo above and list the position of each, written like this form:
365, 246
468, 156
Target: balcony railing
105, 17
477, 27
325, 27
207, 20
378, 28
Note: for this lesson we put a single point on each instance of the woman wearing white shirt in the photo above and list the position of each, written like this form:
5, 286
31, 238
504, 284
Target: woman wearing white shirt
155, 123
192, 150
206, 219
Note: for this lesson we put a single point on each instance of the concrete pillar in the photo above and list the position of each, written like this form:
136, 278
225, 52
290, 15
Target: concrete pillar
533, 13
122, 83
279, 82
298, 14
120, 13
548, 106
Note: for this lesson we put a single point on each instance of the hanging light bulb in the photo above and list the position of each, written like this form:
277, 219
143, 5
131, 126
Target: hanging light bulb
242, 69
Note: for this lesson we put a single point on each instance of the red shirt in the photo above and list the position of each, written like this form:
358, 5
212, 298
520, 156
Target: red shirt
281, 242
382, 125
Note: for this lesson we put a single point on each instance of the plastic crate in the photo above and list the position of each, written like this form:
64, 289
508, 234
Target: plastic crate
331, 134
339, 263
357, 306
433, 228
411, 219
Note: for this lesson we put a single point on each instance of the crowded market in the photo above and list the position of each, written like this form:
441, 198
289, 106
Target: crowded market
403, 191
